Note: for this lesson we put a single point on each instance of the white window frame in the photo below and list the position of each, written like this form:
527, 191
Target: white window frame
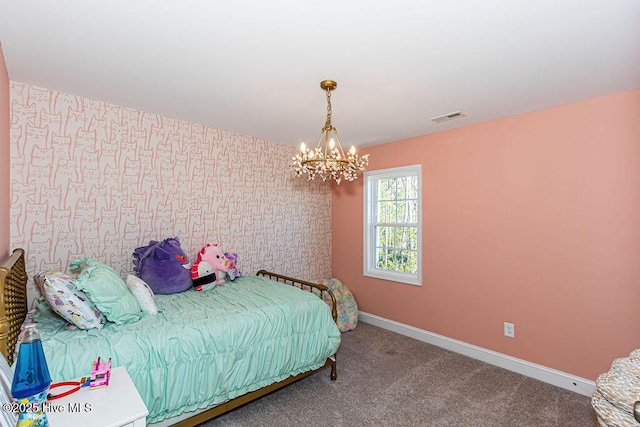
371, 179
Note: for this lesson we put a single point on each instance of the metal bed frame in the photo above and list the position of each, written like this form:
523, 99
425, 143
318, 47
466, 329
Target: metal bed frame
13, 310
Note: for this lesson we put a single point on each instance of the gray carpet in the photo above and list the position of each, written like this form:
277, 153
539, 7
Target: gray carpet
386, 379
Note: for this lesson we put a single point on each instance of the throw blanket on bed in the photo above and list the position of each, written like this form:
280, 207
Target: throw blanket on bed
203, 348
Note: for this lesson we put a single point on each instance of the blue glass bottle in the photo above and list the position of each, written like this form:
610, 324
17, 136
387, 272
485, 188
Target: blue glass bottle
31, 379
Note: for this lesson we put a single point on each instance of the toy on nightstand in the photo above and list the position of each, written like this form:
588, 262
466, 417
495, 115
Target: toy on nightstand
100, 373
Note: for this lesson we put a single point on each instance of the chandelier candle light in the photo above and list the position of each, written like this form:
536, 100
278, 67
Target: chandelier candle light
328, 160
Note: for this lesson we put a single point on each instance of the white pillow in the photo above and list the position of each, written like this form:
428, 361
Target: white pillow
143, 294
70, 303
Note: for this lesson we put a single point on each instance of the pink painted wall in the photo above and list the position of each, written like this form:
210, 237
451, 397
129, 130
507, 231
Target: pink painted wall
532, 219
5, 165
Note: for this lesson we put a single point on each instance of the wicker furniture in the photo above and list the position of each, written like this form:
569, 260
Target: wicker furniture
616, 399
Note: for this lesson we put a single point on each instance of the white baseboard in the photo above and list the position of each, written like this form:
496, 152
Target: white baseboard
539, 372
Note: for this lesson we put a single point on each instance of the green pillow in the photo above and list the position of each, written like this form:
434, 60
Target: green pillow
106, 289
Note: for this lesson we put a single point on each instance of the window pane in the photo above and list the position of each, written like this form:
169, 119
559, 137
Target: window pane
402, 211
412, 187
401, 192
384, 237
380, 214
412, 262
391, 240
384, 258
412, 210
400, 261
387, 189
380, 258
399, 236
382, 188
391, 259
408, 242
412, 238
386, 212
380, 237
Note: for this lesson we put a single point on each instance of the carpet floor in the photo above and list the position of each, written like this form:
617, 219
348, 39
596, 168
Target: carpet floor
387, 379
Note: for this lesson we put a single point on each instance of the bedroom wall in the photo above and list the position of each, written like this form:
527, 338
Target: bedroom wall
94, 179
5, 165
532, 219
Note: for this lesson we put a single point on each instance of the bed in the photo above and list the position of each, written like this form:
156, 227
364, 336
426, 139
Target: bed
232, 344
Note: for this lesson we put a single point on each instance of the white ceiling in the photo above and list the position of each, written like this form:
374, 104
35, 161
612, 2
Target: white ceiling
254, 67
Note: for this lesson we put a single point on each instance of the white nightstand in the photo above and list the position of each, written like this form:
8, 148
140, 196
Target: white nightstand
117, 405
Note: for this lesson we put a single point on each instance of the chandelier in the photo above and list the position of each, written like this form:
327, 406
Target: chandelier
328, 160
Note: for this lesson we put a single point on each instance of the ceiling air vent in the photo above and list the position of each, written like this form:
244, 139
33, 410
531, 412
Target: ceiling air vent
447, 117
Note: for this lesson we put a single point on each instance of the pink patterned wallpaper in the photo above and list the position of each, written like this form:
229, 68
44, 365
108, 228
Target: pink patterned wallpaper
94, 179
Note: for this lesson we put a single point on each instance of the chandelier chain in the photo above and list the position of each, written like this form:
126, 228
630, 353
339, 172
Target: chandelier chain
327, 124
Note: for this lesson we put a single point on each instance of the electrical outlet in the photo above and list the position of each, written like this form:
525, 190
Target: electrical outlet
509, 330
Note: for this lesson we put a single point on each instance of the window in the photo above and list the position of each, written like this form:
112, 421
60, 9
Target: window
392, 236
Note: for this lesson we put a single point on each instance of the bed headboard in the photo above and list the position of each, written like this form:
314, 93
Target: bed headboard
13, 301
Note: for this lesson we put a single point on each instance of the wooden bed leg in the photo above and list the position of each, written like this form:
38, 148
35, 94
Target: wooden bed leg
334, 374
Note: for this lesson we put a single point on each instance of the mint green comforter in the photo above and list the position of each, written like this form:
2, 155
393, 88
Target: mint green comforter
203, 348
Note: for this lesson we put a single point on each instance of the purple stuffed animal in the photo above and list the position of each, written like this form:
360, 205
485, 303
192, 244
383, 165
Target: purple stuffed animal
163, 266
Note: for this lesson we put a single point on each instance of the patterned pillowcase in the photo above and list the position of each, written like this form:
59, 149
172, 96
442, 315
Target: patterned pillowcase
347, 305
68, 302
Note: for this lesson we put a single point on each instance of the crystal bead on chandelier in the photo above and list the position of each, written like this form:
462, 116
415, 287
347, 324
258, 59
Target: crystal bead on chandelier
328, 160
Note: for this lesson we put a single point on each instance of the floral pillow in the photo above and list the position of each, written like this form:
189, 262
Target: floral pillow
71, 304
346, 304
